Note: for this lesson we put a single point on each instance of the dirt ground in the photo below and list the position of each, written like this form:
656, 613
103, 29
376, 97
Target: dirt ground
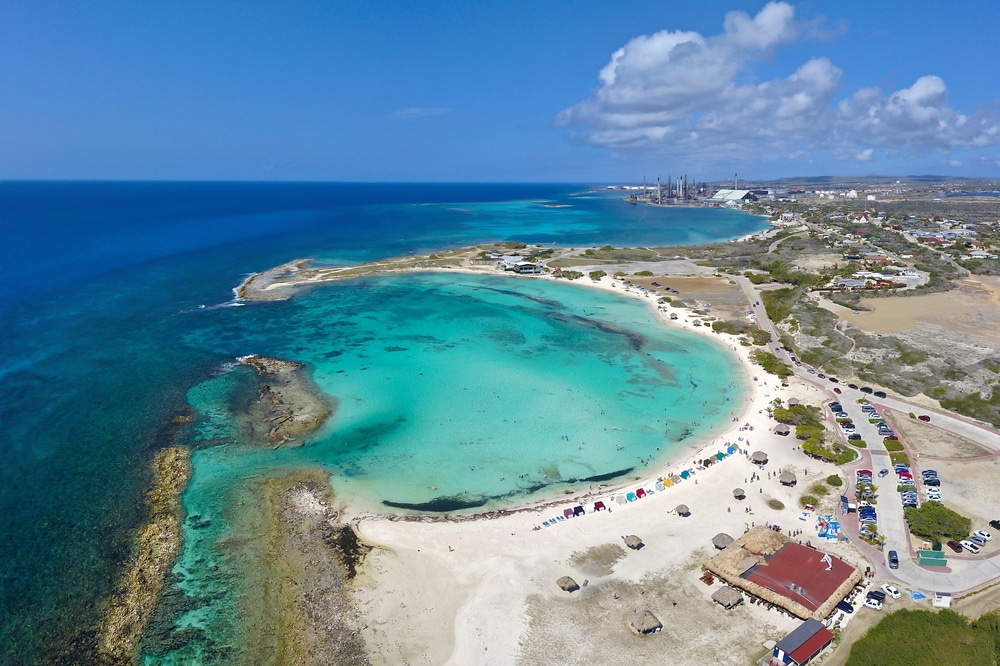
591, 626
726, 298
819, 262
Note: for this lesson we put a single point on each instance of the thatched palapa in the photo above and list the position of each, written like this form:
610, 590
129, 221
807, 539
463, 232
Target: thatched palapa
787, 479
758, 458
645, 622
739, 493
683, 510
782, 429
633, 542
567, 584
721, 540
728, 597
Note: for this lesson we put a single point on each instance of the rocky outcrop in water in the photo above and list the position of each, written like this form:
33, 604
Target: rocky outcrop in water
289, 407
156, 547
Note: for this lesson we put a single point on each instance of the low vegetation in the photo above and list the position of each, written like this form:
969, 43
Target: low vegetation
770, 363
834, 481
933, 520
928, 638
777, 505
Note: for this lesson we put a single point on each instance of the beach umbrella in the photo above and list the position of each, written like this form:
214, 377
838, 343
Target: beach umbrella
660, 485
728, 597
620, 499
720, 455
675, 478
787, 479
758, 457
721, 540
730, 450
683, 510
739, 493
633, 542
685, 474
645, 622
567, 584
630, 497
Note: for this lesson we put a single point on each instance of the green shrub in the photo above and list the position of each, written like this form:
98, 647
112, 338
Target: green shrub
834, 480
596, 275
917, 637
770, 363
644, 274
933, 520
808, 499
819, 489
777, 505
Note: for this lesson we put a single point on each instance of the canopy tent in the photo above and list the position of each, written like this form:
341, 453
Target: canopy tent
567, 584
645, 622
721, 540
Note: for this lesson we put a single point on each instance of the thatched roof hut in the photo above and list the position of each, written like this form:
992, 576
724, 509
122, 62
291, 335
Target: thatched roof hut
721, 540
782, 429
645, 622
683, 510
728, 597
633, 542
567, 584
787, 479
758, 457
792, 402
739, 493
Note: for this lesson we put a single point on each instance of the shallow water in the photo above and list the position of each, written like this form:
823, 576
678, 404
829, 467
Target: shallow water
105, 339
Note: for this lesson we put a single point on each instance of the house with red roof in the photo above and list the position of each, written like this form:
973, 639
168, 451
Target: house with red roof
802, 645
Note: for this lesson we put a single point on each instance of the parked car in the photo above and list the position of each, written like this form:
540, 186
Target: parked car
834, 380
821, 376
842, 415
893, 560
867, 389
891, 590
837, 390
854, 437
876, 594
925, 418
931, 472
842, 605
995, 524
979, 541
969, 546
853, 386
934, 481
880, 394
836, 407
874, 604
955, 546
983, 534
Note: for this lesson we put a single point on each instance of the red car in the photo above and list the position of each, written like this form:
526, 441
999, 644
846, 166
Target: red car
955, 546
837, 390
924, 417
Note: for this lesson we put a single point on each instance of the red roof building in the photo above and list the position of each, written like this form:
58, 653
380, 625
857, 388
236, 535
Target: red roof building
802, 645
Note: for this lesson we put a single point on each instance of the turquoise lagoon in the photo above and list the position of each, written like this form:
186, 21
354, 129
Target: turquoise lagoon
461, 391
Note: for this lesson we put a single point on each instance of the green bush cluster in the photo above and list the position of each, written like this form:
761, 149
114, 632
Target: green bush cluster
834, 481
770, 363
928, 638
933, 520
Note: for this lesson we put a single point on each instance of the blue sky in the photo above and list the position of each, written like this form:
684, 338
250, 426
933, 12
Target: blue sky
505, 91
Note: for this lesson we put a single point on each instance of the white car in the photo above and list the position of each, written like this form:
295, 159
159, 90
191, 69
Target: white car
983, 534
969, 546
874, 604
891, 590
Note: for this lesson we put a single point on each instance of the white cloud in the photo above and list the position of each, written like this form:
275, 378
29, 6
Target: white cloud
690, 95
421, 111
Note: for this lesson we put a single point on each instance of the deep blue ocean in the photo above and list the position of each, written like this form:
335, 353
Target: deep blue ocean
104, 337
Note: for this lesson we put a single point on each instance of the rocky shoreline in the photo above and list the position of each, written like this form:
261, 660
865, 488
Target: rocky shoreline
156, 547
289, 406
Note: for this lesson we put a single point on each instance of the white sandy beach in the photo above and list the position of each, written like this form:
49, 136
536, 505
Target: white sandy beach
484, 591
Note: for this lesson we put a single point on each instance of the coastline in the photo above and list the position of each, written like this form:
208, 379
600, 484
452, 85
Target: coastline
487, 572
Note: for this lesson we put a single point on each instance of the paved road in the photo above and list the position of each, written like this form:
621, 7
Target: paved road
967, 572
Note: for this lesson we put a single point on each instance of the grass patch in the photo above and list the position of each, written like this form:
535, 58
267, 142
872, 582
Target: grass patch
893, 445
819, 488
777, 505
834, 481
808, 499
899, 458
